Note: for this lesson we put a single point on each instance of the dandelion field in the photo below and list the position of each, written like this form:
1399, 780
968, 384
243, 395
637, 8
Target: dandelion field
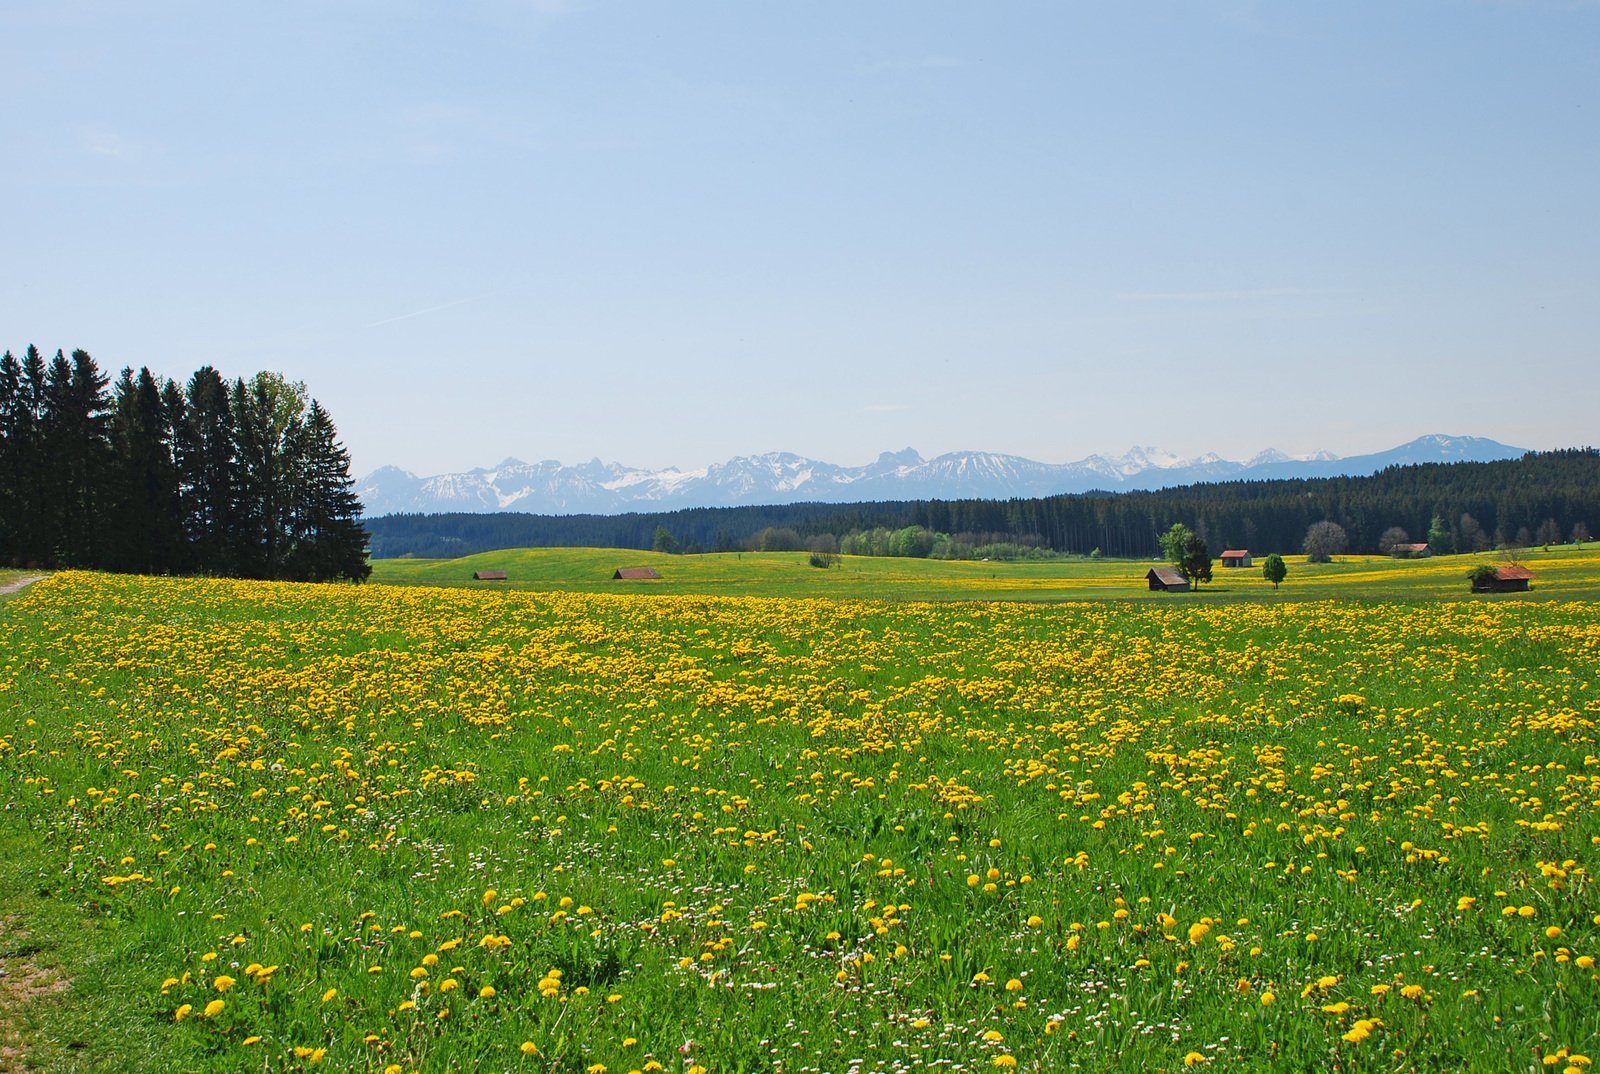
399, 829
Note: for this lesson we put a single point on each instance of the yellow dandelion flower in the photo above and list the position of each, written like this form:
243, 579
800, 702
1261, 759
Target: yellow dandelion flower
1359, 1032
214, 1008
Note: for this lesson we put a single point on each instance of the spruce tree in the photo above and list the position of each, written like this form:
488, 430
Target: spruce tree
31, 542
11, 454
76, 448
329, 539
146, 532
207, 472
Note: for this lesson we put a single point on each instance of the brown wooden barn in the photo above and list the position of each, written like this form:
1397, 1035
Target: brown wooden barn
1512, 578
489, 576
1236, 557
1167, 580
628, 574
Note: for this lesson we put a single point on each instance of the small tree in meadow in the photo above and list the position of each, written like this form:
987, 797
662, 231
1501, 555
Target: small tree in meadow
1324, 540
1274, 570
1392, 539
1186, 551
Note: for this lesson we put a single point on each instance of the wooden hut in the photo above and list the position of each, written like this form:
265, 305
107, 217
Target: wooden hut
1167, 580
628, 574
1236, 557
488, 576
1512, 578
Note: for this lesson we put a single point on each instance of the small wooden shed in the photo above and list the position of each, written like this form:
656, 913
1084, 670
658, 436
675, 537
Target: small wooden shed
1412, 551
628, 574
1167, 580
1512, 578
488, 576
1237, 557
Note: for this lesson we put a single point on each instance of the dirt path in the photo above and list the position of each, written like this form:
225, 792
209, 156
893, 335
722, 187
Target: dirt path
11, 587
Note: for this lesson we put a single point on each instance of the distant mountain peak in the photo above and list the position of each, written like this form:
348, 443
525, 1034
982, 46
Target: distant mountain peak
903, 457
596, 487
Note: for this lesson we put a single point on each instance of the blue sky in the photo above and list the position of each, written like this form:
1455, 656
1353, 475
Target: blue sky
670, 233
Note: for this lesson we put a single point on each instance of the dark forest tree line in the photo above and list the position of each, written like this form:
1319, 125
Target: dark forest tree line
1540, 498
243, 478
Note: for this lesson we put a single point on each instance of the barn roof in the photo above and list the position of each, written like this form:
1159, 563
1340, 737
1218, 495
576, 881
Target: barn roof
630, 573
1168, 576
1236, 553
489, 576
1512, 572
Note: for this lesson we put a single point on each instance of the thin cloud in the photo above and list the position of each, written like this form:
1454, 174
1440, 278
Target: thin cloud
931, 62
437, 113
430, 309
1240, 295
100, 142
885, 408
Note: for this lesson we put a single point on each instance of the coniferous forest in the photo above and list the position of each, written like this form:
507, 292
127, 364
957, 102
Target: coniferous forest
1542, 498
242, 478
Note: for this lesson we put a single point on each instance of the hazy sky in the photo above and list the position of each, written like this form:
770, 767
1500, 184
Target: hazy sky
671, 233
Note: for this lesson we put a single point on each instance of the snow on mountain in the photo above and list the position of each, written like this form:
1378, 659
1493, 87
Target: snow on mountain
597, 487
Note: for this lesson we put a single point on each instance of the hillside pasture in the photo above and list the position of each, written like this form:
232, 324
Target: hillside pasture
1564, 572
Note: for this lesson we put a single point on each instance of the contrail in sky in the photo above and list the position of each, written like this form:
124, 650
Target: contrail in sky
430, 309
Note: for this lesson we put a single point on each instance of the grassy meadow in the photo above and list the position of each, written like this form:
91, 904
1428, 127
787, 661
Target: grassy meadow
1565, 572
717, 823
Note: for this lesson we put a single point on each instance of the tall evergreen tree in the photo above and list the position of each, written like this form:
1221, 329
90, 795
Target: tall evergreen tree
13, 451
146, 529
207, 471
55, 445
328, 538
173, 421
30, 542
75, 441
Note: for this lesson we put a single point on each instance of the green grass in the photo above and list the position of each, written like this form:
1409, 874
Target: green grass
795, 833
1563, 572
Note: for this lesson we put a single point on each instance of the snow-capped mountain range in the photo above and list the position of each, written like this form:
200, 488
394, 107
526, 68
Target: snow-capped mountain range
605, 488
